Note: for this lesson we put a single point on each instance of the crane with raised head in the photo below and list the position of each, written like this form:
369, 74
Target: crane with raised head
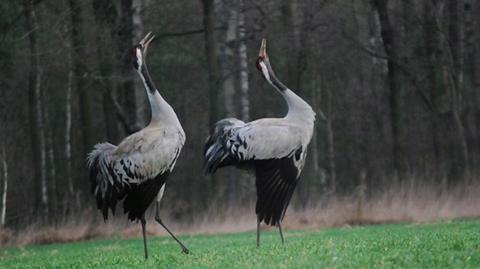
275, 148
136, 170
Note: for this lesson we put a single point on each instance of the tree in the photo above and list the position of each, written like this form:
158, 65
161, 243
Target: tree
3, 211
79, 74
212, 59
37, 127
394, 99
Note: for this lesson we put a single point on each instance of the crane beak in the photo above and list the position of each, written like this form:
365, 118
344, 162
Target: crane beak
263, 60
147, 40
263, 49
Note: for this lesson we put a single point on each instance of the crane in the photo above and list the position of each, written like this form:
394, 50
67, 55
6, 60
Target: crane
275, 148
137, 169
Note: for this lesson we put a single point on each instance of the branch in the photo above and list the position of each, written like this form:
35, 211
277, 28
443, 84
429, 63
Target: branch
119, 112
129, 128
177, 34
16, 18
404, 69
185, 33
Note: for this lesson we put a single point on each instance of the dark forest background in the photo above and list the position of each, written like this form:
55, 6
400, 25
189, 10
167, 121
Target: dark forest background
395, 85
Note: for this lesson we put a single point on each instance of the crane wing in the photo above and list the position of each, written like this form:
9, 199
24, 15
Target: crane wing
276, 180
233, 142
275, 151
107, 186
117, 172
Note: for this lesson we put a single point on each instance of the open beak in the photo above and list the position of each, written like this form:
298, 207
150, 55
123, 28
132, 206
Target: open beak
146, 41
263, 49
263, 60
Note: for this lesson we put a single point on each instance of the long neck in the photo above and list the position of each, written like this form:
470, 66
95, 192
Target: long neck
161, 111
297, 107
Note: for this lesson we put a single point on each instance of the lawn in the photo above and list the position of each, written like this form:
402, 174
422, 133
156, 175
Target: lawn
454, 244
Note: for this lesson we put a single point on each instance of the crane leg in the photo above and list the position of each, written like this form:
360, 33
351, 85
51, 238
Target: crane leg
144, 232
280, 230
258, 232
157, 218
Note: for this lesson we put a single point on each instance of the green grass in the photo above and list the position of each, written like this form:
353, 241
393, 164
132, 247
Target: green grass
441, 245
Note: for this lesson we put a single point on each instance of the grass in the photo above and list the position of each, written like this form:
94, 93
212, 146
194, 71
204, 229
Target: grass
454, 244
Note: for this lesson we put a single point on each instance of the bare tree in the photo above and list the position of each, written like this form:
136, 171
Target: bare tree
243, 63
211, 57
36, 107
138, 33
3, 212
50, 152
394, 101
79, 74
124, 42
456, 85
229, 63
68, 131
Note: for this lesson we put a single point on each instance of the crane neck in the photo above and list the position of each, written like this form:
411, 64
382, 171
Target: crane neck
147, 79
161, 111
297, 107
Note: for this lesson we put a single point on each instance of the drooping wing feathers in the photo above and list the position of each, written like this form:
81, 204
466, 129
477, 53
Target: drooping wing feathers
233, 142
276, 151
276, 180
118, 172
218, 146
107, 187
142, 195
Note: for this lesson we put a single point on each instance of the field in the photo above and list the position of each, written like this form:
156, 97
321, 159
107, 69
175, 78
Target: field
454, 244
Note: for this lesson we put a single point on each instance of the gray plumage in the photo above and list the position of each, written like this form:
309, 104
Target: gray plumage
116, 170
275, 148
136, 170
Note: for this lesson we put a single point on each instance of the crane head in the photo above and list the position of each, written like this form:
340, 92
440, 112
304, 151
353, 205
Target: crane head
139, 51
263, 64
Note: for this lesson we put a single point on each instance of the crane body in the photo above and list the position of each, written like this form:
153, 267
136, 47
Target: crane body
135, 172
275, 148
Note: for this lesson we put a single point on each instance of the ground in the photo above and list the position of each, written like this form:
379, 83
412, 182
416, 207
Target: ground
452, 244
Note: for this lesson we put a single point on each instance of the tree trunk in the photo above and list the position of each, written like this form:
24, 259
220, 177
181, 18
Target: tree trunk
331, 146
314, 148
36, 110
229, 75
472, 95
290, 25
476, 73
125, 42
105, 16
229, 60
141, 105
243, 63
3, 213
40, 124
212, 59
69, 193
455, 32
50, 152
436, 91
68, 131
79, 70
394, 98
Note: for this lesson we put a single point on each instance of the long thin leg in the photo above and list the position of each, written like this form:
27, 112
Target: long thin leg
280, 230
144, 232
258, 232
157, 218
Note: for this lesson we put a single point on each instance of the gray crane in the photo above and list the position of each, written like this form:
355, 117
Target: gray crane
136, 170
275, 148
